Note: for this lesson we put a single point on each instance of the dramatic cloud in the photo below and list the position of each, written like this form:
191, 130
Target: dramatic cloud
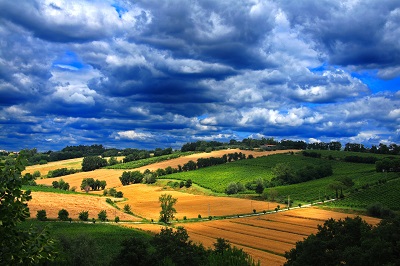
152, 74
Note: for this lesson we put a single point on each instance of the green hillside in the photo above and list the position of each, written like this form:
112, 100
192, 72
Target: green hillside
218, 177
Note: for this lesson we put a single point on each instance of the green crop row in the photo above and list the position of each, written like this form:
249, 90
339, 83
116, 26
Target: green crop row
218, 177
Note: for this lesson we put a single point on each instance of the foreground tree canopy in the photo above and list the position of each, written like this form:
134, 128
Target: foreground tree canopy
351, 241
18, 246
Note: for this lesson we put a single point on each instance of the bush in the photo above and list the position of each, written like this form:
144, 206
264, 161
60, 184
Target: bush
188, 183
84, 216
116, 219
41, 215
119, 194
380, 211
231, 189
102, 215
63, 215
127, 208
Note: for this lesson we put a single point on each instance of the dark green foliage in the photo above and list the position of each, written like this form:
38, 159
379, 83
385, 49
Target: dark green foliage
62, 172
131, 177
119, 194
360, 159
90, 183
176, 246
84, 215
388, 165
188, 183
380, 211
41, 215
19, 246
127, 208
349, 242
135, 251
78, 250
167, 207
312, 154
91, 163
63, 215
102, 215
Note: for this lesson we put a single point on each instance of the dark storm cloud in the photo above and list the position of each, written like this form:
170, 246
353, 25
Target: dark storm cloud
162, 73
359, 33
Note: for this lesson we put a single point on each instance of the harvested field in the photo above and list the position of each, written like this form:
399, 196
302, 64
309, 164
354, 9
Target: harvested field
45, 168
265, 237
144, 201
74, 204
111, 176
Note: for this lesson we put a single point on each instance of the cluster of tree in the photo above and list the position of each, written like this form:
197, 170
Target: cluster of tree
257, 185
360, 159
91, 163
392, 149
234, 188
90, 183
62, 172
173, 247
113, 193
131, 177
312, 154
332, 146
351, 241
340, 184
61, 184
388, 165
286, 175
378, 210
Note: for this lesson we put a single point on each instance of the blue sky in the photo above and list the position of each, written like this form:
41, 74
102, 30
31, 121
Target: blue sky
149, 74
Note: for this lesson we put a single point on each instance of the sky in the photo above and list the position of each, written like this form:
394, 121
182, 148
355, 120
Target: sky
147, 73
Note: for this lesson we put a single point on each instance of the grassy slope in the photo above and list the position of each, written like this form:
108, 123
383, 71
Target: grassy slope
107, 238
218, 177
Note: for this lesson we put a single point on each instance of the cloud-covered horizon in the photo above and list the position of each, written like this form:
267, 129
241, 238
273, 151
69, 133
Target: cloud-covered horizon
149, 74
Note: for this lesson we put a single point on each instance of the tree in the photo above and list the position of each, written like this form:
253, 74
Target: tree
41, 215
188, 183
351, 241
102, 215
135, 251
93, 162
63, 215
84, 215
14, 210
167, 207
336, 185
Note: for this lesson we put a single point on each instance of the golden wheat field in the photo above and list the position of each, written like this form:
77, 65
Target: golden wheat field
144, 201
74, 204
265, 237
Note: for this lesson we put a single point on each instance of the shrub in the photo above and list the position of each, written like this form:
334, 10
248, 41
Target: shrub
119, 194
199, 216
127, 208
84, 215
379, 210
63, 215
232, 188
188, 183
116, 219
102, 215
41, 215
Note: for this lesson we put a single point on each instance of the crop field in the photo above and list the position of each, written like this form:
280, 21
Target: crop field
270, 235
387, 194
109, 175
74, 204
45, 168
144, 202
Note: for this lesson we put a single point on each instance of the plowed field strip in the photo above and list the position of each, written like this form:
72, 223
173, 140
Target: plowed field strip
264, 257
282, 227
243, 239
289, 219
260, 232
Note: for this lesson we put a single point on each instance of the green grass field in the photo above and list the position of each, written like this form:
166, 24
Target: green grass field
217, 178
104, 239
